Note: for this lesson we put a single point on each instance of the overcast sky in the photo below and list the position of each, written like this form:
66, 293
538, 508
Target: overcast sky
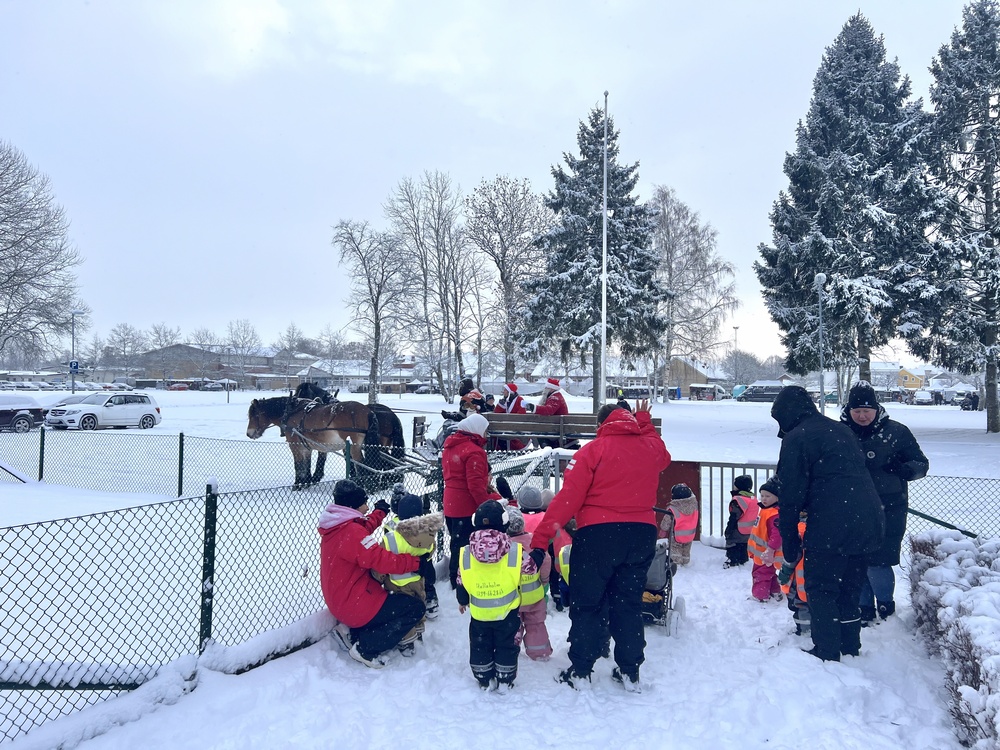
203, 149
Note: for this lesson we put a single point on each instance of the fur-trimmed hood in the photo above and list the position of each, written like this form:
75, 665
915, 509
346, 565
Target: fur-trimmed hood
421, 531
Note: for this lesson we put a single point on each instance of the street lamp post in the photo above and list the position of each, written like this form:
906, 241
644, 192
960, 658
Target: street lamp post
604, 263
736, 354
820, 280
72, 357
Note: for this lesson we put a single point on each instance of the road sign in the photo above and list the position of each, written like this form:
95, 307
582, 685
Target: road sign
74, 366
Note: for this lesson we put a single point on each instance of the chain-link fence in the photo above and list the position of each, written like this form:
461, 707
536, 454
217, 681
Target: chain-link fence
965, 503
97, 604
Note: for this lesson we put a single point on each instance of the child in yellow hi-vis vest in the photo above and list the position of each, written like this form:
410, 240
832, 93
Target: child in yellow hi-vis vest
493, 572
412, 534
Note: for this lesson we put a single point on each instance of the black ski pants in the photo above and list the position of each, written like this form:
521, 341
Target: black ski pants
459, 531
608, 568
833, 585
492, 649
397, 616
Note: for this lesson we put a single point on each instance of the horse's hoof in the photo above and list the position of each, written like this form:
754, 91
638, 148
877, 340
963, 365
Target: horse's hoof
297, 487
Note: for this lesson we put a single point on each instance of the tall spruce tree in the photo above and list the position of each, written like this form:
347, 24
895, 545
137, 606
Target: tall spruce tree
854, 209
564, 305
956, 312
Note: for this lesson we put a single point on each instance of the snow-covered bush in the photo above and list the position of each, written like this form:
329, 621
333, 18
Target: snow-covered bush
955, 591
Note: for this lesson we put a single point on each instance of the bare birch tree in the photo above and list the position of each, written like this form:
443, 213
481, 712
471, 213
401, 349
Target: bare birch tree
243, 343
700, 290
380, 287
503, 219
426, 218
38, 286
127, 344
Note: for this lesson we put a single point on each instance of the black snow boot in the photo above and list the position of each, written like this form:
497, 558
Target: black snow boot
867, 616
885, 609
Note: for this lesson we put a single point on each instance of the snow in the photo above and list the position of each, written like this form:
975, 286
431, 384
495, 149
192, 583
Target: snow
733, 674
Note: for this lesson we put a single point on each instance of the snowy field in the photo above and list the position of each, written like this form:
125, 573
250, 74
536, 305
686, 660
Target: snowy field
733, 675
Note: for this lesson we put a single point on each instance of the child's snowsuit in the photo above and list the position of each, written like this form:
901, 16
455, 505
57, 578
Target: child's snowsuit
413, 536
492, 573
533, 632
685, 513
742, 516
764, 548
798, 601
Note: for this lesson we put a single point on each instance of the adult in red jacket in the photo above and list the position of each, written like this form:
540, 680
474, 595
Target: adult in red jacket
378, 620
510, 403
552, 400
610, 489
466, 480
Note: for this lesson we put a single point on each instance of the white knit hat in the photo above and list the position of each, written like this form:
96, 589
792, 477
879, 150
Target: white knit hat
475, 424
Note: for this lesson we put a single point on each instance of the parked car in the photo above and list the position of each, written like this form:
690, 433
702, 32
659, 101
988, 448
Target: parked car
178, 387
212, 387
20, 413
924, 398
106, 410
74, 398
6, 385
766, 390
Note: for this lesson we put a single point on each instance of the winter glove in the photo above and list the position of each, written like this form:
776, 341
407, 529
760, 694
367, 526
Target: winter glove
529, 407
503, 487
768, 556
538, 557
383, 506
785, 573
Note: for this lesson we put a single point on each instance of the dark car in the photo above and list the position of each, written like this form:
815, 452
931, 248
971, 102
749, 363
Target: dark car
761, 391
19, 413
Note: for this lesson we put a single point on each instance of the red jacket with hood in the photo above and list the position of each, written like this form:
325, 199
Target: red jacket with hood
347, 554
554, 404
466, 474
612, 479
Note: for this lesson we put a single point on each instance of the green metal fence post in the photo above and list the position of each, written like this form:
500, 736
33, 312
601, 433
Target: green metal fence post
41, 453
180, 466
208, 567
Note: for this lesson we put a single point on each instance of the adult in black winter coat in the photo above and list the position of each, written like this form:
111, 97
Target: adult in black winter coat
894, 458
823, 473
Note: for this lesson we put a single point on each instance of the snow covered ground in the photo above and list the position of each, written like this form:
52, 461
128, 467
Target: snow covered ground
733, 675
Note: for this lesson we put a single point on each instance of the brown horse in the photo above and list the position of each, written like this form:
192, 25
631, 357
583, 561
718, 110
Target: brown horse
307, 426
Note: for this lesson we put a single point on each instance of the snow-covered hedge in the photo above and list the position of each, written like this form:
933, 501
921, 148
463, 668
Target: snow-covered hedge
955, 591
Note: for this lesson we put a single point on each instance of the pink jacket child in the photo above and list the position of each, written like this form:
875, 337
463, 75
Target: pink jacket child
532, 633
765, 545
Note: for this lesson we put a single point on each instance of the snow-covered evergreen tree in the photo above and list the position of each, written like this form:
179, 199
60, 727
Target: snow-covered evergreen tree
954, 323
565, 303
855, 208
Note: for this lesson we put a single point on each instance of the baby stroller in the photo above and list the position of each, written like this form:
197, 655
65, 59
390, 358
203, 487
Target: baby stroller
659, 607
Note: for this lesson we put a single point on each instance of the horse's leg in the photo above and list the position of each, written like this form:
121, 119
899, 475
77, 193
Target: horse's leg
301, 457
320, 465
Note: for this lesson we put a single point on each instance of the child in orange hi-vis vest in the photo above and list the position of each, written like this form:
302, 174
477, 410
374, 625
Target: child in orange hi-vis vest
794, 588
764, 546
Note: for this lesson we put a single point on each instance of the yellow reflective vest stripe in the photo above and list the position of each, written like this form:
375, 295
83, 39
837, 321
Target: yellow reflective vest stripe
493, 587
395, 543
562, 562
532, 590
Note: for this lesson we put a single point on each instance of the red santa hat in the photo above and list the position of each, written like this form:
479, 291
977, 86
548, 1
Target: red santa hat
511, 388
552, 383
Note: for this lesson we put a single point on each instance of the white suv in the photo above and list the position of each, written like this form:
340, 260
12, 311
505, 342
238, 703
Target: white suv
106, 410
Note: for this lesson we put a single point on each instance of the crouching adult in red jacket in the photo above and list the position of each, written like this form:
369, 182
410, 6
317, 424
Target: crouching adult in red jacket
609, 488
377, 620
